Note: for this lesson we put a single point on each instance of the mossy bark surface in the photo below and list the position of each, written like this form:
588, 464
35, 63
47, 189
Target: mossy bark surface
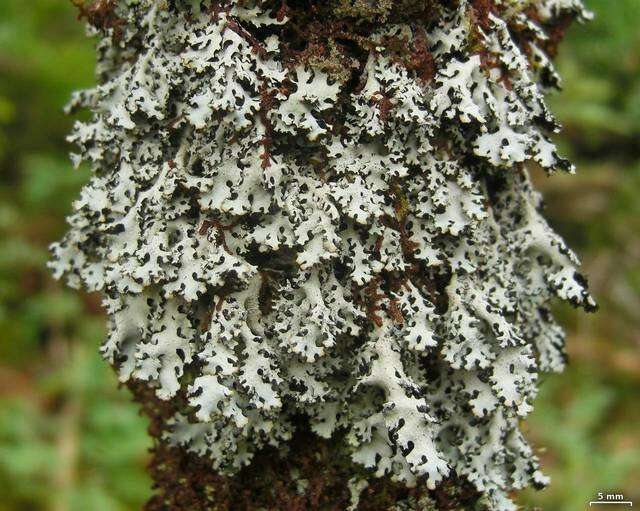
310, 474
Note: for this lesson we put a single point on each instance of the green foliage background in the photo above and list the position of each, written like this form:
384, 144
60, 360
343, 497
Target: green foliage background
71, 441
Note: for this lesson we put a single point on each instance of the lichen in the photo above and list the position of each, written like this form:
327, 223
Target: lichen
324, 210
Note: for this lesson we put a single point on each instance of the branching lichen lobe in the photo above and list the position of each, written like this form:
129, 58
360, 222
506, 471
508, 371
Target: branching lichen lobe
314, 229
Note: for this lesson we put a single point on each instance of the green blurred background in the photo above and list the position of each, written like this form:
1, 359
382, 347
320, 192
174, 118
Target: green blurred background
71, 441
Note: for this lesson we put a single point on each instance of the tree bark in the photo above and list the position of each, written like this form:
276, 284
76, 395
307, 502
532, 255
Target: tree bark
308, 474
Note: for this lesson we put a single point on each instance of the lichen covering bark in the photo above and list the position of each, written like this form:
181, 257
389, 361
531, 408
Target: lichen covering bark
323, 210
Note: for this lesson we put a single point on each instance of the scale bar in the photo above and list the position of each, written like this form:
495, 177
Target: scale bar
624, 502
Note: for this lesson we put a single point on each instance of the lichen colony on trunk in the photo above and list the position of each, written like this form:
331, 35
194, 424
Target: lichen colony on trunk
320, 213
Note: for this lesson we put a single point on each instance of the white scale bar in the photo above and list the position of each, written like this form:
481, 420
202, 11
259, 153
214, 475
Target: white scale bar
625, 502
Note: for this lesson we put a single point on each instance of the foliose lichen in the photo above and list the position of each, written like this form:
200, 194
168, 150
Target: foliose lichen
324, 209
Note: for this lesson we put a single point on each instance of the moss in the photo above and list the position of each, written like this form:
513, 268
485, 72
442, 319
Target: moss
381, 11
307, 476
101, 14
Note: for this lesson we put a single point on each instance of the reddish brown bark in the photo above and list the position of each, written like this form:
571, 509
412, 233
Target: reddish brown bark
311, 475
